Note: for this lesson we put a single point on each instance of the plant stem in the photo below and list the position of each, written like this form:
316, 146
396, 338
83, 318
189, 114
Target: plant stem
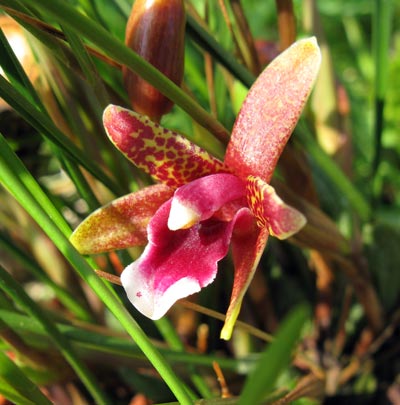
382, 21
286, 23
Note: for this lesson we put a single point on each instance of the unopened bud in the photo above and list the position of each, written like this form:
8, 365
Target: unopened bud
155, 31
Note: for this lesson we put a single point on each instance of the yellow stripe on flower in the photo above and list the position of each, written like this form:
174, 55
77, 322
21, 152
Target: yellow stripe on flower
270, 211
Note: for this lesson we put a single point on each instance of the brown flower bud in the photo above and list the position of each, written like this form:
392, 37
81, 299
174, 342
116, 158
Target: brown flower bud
155, 31
266, 51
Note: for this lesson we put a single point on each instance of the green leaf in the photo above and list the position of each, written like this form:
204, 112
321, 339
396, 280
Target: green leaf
14, 70
16, 386
45, 126
275, 358
382, 23
17, 294
384, 261
333, 171
31, 265
93, 343
87, 65
209, 43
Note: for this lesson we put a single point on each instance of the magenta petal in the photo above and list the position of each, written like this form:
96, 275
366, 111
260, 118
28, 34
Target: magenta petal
175, 264
248, 243
201, 198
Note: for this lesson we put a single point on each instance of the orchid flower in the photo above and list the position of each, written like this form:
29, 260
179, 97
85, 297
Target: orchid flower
202, 205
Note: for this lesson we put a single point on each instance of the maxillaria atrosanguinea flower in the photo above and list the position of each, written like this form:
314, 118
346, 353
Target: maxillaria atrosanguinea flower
203, 205
156, 31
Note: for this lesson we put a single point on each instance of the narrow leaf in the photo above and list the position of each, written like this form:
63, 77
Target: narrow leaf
24, 389
274, 359
43, 124
66, 14
17, 294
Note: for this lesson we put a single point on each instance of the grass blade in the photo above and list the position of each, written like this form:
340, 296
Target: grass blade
382, 23
341, 181
29, 263
206, 41
46, 127
16, 386
94, 342
274, 359
16, 293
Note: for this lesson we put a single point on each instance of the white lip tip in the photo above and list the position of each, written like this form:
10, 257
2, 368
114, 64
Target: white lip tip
181, 216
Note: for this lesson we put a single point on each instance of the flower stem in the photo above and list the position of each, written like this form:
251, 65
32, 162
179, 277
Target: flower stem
286, 23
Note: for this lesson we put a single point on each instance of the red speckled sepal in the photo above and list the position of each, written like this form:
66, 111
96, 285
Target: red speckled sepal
167, 156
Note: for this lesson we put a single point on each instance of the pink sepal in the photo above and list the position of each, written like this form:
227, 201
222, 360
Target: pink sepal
271, 110
248, 243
